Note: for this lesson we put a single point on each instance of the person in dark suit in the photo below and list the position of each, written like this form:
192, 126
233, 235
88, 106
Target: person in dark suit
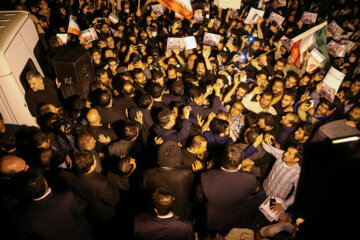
225, 192
171, 177
164, 224
102, 134
48, 215
93, 188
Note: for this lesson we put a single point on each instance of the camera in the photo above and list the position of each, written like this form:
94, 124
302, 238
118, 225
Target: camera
251, 39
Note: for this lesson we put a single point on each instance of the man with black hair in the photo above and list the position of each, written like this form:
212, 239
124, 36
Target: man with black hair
140, 81
48, 215
91, 187
225, 205
263, 105
107, 108
176, 93
164, 224
286, 104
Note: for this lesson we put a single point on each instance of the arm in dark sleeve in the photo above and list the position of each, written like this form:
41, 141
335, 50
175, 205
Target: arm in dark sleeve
31, 105
249, 151
183, 133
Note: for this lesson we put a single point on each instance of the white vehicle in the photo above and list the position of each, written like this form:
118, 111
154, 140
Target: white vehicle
19, 52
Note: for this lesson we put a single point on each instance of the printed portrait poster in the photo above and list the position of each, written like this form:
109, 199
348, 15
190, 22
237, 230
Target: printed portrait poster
157, 9
89, 35
334, 29
274, 17
175, 43
331, 83
282, 3
211, 39
228, 4
315, 61
254, 16
336, 49
309, 18
199, 16
286, 42
349, 45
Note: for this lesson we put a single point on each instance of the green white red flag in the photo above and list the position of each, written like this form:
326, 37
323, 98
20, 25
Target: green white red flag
73, 26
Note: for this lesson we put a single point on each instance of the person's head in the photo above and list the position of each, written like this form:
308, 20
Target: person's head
124, 166
35, 80
305, 79
130, 131
102, 43
93, 117
96, 55
128, 88
102, 76
251, 133
303, 132
354, 114
158, 77
198, 144
355, 86
104, 98
265, 99
110, 42
45, 108
177, 88
293, 154
166, 118
288, 98
232, 157
41, 140
200, 69
7, 142
221, 114
143, 35
145, 101
256, 44
85, 142
11, 165
266, 121
292, 79
323, 107
83, 162
109, 53
279, 74
155, 90
163, 202
172, 72
220, 127
236, 109
113, 65
280, 64
191, 61
278, 86
31, 184
140, 77
105, 29
196, 95
290, 119
242, 90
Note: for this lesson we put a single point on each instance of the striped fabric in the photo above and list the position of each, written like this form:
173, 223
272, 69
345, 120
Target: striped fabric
181, 7
281, 178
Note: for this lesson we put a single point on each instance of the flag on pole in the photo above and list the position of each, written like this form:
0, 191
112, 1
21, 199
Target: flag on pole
307, 41
113, 18
73, 26
181, 7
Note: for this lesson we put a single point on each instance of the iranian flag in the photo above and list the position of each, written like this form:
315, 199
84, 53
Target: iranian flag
181, 7
307, 41
73, 26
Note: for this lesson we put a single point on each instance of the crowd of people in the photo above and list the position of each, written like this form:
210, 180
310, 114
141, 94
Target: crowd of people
172, 144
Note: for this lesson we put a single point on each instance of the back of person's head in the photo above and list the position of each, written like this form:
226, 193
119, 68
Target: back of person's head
82, 162
128, 88
218, 126
145, 100
123, 166
11, 165
39, 138
83, 141
195, 92
177, 88
279, 74
103, 97
295, 119
252, 133
162, 201
232, 156
155, 90
221, 114
251, 119
156, 74
164, 116
131, 131
197, 140
49, 158
7, 141
31, 184
269, 119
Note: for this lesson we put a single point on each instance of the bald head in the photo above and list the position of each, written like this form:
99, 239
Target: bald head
93, 117
128, 88
11, 165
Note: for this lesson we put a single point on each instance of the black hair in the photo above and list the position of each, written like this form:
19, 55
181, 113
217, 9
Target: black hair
232, 156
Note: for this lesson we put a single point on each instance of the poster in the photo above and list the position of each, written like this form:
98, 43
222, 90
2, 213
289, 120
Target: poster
331, 83
211, 39
334, 29
157, 9
309, 18
254, 16
63, 37
336, 49
274, 17
89, 35
315, 61
349, 45
228, 4
175, 43
190, 43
